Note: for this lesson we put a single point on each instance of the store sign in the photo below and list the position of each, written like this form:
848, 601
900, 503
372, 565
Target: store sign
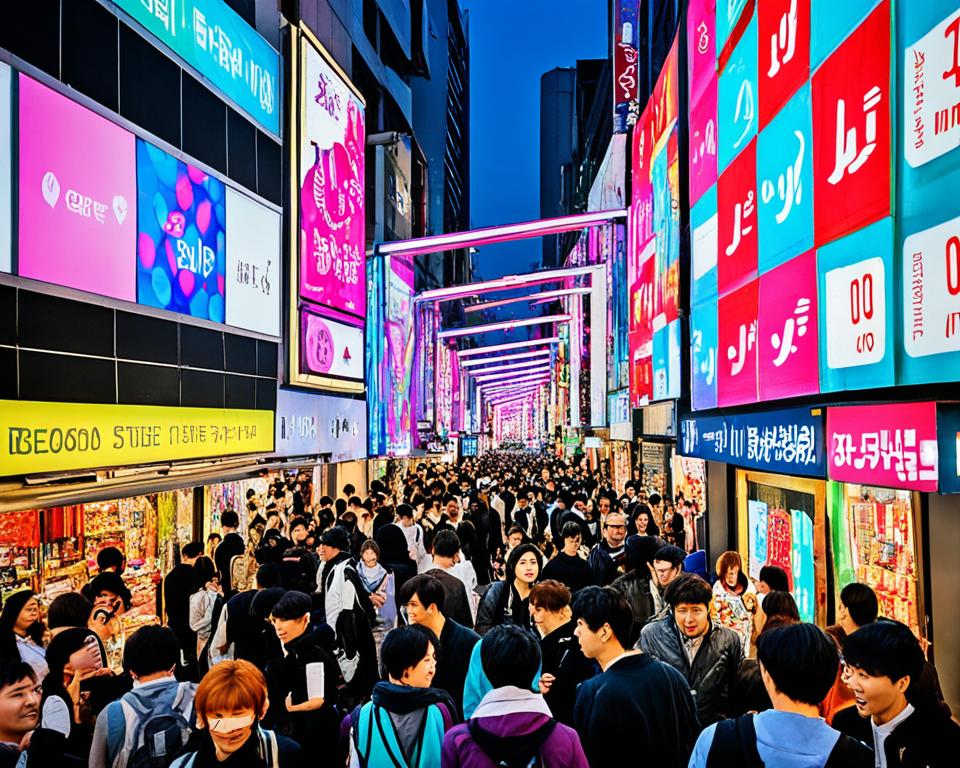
77, 196
948, 448
891, 446
592, 442
311, 424
6, 174
58, 437
790, 441
331, 348
931, 85
931, 290
221, 46
469, 445
181, 236
701, 50
626, 64
253, 265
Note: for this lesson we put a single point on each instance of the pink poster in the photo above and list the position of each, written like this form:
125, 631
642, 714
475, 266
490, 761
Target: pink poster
737, 377
891, 446
78, 195
332, 221
788, 344
737, 221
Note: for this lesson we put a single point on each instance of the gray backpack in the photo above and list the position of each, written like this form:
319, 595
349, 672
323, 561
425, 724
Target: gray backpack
140, 736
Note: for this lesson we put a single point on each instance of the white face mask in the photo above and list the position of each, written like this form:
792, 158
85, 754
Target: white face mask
231, 724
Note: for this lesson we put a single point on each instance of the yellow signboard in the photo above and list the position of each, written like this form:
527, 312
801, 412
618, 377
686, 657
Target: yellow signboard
56, 437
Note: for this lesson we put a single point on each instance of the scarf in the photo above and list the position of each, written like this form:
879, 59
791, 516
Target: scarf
372, 578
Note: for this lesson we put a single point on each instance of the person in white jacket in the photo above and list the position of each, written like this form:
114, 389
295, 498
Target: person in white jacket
206, 590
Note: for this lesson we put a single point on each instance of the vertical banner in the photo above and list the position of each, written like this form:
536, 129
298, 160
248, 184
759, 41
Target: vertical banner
399, 394
738, 95
626, 64
702, 66
737, 379
6, 169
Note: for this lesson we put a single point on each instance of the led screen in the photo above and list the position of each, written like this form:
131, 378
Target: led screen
253, 265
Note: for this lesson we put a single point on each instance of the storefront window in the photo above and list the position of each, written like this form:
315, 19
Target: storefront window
782, 524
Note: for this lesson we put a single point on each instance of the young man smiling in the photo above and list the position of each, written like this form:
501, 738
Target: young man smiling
19, 708
881, 661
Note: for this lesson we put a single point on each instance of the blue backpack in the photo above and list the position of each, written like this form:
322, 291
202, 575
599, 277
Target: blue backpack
377, 746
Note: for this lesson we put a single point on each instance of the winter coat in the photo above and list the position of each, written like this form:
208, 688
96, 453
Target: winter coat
502, 605
714, 668
508, 722
926, 739
635, 587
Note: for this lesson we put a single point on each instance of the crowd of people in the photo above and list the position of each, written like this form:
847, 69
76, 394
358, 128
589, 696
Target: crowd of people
510, 610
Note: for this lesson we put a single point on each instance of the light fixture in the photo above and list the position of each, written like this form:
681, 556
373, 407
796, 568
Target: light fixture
504, 358
508, 367
534, 298
452, 333
509, 345
513, 375
506, 283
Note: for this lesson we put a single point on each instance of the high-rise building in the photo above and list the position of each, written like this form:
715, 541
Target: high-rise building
558, 139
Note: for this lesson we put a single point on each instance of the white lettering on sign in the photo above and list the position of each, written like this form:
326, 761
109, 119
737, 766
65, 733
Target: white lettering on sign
931, 290
898, 449
856, 314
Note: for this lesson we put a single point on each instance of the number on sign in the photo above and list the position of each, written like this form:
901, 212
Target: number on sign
861, 298
953, 265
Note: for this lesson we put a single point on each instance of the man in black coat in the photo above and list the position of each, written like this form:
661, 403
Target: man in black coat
231, 546
177, 587
567, 566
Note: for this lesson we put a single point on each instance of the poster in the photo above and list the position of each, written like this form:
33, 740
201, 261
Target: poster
738, 118
756, 536
253, 265
784, 61
855, 282
831, 23
181, 236
738, 342
704, 361
626, 64
702, 62
852, 131
330, 347
704, 221
77, 196
653, 468
6, 158
400, 347
737, 222
690, 479
787, 349
802, 566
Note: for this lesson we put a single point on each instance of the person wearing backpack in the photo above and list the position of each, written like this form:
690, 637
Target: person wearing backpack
798, 663
512, 727
230, 703
149, 725
403, 725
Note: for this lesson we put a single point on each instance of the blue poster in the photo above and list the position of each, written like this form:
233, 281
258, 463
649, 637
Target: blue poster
703, 246
948, 447
728, 14
785, 183
789, 441
213, 39
739, 115
856, 279
181, 236
802, 564
831, 22
756, 536
703, 362
666, 361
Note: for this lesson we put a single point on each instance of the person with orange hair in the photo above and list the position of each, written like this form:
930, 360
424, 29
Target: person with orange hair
230, 702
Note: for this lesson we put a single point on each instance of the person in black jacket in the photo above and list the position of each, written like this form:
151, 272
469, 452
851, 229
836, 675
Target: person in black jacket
231, 546
635, 583
507, 602
250, 634
177, 587
881, 661
310, 721
707, 655
607, 557
567, 566
564, 666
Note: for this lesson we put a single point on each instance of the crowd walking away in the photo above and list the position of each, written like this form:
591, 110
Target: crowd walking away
511, 610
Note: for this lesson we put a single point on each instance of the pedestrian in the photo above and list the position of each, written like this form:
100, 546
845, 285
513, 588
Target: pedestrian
707, 655
797, 662
19, 708
21, 632
564, 665
232, 546
772, 578
242, 634
734, 598
607, 556
152, 721
635, 584
858, 607
567, 566
230, 703
177, 588
882, 660
406, 717
206, 598
423, 601
636, 702
508, 602
303, 698
381, 587
642, 522
512, 725
457, 586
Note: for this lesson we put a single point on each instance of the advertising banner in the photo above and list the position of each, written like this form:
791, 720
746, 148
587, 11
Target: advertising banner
626, 65
6, 175
737, 340
702, 64
330, 347
77, 196
737, 98
57, 437
891, 446
210, 37
788, 441
737, 221
399, 394
309, 424
181, 236
253, 265
784, 53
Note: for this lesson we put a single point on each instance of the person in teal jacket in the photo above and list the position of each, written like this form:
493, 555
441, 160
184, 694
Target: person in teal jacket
404, 723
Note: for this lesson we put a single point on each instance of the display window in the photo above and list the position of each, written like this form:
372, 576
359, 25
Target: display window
690, 480
620, 461
876, 535
782, 522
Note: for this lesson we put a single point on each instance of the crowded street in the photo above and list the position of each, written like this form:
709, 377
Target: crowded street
479, 384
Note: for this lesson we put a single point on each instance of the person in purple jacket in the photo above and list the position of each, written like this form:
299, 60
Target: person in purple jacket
512, 726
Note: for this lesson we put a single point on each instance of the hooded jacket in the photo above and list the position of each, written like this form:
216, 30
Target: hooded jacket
714, 668
510, 724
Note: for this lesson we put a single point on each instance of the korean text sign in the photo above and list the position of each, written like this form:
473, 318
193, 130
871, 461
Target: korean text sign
788, 441
626, 63
53, 437
892, 446
214, 40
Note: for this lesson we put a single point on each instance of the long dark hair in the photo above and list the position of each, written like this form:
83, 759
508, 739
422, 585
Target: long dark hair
203, 571
8, 620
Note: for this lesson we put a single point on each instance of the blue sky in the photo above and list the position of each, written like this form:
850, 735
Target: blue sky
513, 42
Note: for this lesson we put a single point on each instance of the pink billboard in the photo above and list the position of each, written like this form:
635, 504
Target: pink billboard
78, 194
332, 221
891, 446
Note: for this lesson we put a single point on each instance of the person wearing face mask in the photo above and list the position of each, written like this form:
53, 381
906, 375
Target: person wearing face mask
230, 703
508, 602
406, 716
21, 631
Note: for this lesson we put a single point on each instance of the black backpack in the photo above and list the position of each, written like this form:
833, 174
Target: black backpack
735, 743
